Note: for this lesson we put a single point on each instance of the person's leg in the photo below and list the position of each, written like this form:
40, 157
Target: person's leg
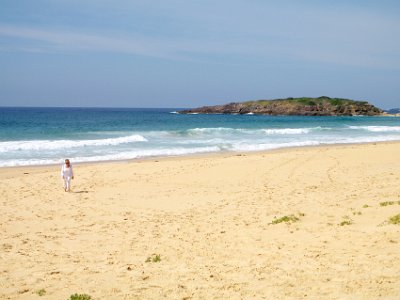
65, 183
68, 184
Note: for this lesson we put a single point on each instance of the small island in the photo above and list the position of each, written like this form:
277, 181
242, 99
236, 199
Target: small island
321, 106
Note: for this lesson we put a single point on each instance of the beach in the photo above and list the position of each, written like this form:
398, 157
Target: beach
296, 223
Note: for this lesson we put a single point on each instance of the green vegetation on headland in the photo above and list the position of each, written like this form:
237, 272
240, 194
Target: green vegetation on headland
308, 101
304, 106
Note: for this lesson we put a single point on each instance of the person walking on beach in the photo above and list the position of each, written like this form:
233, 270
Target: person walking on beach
67, 173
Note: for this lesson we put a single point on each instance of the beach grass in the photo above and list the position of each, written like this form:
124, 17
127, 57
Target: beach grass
395, 220
80, 297
286, 219
387, 203
153, 258
346, 221
41, 292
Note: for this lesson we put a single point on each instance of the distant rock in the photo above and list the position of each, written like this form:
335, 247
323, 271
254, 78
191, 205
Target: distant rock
393, 111
322, 106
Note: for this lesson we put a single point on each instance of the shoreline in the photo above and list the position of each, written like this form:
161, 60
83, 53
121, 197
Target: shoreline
196, 155
183, 137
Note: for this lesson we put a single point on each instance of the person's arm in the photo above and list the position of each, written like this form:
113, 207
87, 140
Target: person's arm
62, 171
72, 172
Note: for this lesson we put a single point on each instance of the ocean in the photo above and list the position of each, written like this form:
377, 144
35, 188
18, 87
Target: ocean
41, 136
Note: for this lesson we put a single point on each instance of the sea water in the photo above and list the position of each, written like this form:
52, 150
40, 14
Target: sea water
39, 136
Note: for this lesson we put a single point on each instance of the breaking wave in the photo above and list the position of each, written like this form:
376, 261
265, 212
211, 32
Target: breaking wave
287, 131
268, 131
36, 145
377, 128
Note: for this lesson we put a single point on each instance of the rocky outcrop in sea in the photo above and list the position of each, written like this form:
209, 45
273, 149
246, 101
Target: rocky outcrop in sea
322, 106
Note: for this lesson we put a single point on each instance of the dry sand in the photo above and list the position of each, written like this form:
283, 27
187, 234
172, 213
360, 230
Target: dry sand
210, 221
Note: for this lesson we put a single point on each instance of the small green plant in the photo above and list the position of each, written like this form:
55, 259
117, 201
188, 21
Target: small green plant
346, 221
387, 203
80, 297
395, 220
357, 213
365, 206
41, 292
286, 219
154, 258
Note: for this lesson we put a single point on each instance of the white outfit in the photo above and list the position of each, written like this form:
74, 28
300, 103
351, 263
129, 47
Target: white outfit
67, 174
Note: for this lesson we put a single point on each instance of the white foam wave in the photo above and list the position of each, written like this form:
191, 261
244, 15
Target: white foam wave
29, 162
371, 139
268, 131
377, 128
108, 133
287, 131
270, 146
215, 146
149, 153
210, 130
36, 145
113, 157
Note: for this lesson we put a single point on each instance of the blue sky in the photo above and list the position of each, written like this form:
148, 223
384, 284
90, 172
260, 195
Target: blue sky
182, 53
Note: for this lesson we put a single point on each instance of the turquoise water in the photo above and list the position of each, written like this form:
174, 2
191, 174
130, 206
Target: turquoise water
37, 136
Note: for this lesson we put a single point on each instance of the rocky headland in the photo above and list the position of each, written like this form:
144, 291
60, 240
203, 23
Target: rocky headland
321, 106
394, 112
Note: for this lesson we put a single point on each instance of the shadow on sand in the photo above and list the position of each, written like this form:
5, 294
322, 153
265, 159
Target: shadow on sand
82, 192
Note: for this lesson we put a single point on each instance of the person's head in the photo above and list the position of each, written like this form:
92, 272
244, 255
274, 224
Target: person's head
67, 162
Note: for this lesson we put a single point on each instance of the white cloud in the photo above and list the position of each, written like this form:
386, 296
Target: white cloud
52, 40
45, 40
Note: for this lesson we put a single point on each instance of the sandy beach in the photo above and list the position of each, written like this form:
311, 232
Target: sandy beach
301, 223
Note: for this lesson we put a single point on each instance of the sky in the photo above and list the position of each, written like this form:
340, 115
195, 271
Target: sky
189, 53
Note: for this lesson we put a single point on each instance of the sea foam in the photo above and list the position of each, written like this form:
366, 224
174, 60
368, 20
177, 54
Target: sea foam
377, 128
287, 131
36, 145
126, 155
268, 131
40, 136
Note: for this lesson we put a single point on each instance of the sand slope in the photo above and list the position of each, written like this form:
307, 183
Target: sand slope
210, 221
